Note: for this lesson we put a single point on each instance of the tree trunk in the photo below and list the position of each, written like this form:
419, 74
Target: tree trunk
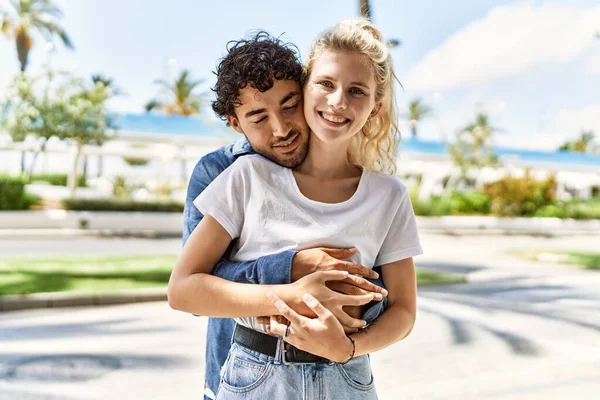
100, 165
23, 42
365, 9
75, 168
29, 173
85, 166
22, 162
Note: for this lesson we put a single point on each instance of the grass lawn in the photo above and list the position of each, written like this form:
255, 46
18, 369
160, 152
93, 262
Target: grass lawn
582, 259
425, 277
111, 273
83, 274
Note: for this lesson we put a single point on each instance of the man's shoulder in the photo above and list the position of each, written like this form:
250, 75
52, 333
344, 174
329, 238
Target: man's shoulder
222, 154
219, 160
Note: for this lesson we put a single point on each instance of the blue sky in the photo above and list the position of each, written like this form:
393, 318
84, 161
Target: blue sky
534, 66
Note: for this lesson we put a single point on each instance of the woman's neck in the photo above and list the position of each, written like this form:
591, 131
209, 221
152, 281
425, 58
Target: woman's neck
327, 161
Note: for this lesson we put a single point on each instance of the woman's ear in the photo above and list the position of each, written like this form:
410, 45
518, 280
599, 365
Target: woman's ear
375, 110
235, 123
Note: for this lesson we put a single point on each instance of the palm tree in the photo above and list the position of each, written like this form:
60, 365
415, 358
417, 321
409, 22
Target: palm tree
583, 144
29, 16
473, 146
481, 131
108, 83
417, 111
183, 101
365, 9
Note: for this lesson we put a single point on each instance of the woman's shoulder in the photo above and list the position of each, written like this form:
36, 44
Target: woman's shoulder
391, 184
254, 163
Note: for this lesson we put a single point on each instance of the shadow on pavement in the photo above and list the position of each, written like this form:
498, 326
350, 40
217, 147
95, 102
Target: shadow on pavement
537, 300
49, 331
66, 367
449, 268
461, 335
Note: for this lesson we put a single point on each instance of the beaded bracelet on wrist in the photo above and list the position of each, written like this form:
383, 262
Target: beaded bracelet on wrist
353, 351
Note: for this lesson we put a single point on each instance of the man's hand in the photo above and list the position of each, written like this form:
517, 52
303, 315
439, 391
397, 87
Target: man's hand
306, 262
317, 283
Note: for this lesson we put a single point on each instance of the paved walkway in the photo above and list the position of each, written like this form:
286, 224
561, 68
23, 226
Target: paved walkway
531, 332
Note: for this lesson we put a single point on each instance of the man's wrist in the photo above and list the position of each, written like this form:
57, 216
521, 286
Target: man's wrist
297, 270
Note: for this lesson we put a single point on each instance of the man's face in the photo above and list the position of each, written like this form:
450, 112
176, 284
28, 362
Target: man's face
273, 121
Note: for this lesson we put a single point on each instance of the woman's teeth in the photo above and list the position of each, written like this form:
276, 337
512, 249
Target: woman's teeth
333, 118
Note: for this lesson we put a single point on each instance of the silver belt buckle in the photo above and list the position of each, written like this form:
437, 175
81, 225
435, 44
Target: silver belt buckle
283, 352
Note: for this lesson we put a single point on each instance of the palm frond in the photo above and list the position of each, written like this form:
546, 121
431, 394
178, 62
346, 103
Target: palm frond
153, 105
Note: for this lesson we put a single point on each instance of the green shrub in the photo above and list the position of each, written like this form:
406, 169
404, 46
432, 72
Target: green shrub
552, 211
587, 210
520, 197
57, 179
30, 199
121, 205
123, 189
571, 209
12, 193
422, 207
472, 202
434, 206
136, 161
440, 205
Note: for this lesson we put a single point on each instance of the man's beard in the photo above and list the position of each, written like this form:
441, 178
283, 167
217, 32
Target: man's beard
290, 160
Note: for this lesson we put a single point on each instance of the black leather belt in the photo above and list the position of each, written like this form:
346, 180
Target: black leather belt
267, 345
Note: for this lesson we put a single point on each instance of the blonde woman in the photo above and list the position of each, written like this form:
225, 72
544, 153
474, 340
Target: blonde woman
342, 195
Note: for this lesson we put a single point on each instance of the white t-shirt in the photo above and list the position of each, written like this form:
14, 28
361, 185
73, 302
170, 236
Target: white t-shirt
259, 203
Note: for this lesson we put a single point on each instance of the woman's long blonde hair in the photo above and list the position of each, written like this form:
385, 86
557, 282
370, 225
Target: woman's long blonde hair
375, 146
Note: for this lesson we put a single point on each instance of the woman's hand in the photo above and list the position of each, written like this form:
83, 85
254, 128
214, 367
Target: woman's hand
317, 285
323, 336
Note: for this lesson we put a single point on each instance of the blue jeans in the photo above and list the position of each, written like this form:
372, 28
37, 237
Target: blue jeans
220, 332
248, 374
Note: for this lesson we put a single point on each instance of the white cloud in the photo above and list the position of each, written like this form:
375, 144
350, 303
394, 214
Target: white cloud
592, 64
540, 141
508, 41
566, 125
573, 121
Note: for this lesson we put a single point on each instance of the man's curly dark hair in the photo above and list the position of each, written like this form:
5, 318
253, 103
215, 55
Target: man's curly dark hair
256, 60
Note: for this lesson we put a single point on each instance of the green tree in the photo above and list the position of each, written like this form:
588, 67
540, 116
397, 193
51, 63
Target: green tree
182, 100
585, 143
417, 111
27, 17
473, 145
30, 110
85, 119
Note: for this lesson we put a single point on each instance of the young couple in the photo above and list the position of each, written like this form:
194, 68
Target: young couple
281, 232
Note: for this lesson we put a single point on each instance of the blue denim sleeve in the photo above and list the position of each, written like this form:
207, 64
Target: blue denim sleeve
271, 269
375, 308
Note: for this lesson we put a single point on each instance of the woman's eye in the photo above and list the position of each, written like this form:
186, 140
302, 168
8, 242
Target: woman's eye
357, 91
327, 84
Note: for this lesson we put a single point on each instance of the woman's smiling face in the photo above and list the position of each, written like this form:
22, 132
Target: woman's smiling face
339, 96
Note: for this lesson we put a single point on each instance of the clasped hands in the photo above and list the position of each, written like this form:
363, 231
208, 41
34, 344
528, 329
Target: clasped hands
324, 304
